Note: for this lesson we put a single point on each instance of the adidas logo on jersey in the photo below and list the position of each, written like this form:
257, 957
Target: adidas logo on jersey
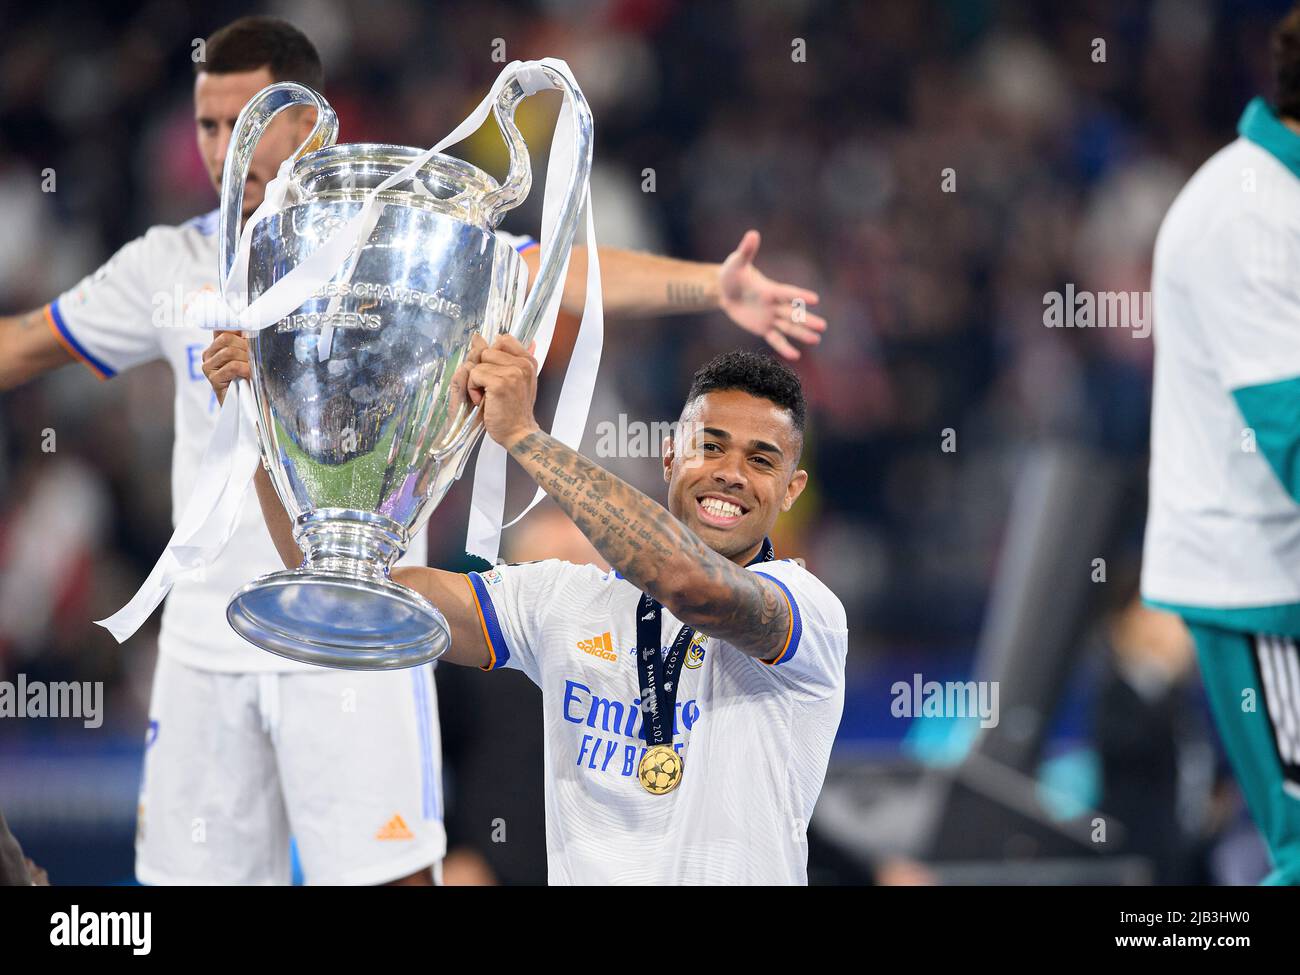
599, 646
395, 829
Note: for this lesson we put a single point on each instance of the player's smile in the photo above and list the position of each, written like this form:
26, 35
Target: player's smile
720, 510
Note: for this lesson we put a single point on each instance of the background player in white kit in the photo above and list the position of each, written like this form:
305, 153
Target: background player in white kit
243, 747
1223, 532
754, 705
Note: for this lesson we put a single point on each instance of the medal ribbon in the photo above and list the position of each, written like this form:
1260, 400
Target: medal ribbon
659, 673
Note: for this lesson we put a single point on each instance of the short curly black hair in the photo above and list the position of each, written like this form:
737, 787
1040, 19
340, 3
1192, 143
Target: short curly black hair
758, 375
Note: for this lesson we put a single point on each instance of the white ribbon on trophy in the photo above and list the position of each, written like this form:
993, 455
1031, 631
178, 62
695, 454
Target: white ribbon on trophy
209, 518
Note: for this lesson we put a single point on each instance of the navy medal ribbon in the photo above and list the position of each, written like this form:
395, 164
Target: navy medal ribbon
659, 673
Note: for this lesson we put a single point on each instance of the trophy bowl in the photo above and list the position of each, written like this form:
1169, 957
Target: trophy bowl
360, 428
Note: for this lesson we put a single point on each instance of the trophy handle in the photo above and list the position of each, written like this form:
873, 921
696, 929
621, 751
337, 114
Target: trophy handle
249, 127
519, 180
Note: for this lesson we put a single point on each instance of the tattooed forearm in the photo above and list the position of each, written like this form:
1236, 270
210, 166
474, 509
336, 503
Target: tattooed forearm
656, 552
633, 533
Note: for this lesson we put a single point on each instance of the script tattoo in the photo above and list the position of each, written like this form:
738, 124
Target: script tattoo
687, 294
656, 552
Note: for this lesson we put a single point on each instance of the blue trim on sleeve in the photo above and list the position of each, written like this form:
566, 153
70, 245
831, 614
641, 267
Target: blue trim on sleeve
527, 243
500, 649
62, 326
796, 622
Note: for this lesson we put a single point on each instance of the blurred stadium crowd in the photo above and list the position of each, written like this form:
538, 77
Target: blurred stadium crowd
933, 283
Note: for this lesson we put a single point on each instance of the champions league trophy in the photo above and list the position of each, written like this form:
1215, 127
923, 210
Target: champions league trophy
353, 391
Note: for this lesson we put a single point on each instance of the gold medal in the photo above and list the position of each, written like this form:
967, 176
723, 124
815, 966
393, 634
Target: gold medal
660, 771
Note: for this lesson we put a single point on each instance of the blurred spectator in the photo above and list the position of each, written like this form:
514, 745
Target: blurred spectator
1158, 764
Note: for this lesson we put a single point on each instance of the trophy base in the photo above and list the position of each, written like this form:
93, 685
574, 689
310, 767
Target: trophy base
339, 621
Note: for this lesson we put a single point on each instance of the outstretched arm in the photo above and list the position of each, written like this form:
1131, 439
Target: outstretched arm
646, 284
28, 347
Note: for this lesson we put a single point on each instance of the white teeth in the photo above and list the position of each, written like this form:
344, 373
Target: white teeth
720, 509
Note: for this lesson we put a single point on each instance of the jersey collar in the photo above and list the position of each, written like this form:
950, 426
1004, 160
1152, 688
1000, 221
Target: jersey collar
1261, 126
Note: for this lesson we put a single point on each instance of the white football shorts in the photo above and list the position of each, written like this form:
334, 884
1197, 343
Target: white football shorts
348, 764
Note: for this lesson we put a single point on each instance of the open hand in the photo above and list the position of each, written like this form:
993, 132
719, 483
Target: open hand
778, 312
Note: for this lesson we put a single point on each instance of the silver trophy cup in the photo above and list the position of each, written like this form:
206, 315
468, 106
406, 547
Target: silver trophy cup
362, 443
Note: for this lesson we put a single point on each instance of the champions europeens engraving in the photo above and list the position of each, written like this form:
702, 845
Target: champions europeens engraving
353, 390
373, 294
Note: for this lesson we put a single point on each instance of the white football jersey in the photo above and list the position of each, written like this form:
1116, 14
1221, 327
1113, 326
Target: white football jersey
755, 737
131, 311
1222, 530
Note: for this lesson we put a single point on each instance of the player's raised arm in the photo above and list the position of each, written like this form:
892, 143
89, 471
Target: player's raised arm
226, 360
29, 347
656, 552
651, 547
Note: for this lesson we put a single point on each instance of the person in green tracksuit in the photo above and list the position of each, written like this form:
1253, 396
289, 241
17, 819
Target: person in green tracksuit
1222, 543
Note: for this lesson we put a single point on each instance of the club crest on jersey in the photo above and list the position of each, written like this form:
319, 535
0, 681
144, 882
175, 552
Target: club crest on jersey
695, 655
599, 646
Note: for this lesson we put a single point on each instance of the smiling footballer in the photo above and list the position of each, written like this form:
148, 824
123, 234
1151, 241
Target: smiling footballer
692, 693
